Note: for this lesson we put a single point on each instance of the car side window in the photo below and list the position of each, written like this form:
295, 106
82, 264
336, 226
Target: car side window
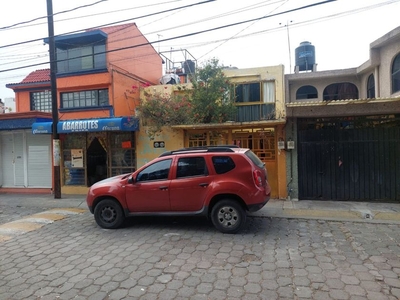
191, 166
156, 171
223, 164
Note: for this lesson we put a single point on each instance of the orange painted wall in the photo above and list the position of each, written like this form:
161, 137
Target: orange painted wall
22, 98
143, 61
126, 68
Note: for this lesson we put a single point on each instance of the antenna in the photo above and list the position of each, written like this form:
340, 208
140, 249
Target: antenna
159, 35
288, 38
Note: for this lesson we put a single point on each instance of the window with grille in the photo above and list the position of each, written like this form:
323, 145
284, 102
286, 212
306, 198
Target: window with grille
91, 98
396, 74
371, 87
41, 101
306, 92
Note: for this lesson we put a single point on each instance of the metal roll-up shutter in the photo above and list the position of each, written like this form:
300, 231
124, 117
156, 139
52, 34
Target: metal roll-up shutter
39, 166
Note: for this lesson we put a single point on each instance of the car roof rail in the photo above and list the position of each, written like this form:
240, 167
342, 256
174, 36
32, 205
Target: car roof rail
201, 149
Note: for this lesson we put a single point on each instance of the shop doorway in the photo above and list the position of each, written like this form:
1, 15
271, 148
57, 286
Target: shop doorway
96, 162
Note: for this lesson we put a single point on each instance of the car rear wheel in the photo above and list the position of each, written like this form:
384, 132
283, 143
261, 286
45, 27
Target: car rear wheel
109, 214
228, 216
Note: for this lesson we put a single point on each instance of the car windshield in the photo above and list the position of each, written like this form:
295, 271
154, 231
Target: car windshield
254, 158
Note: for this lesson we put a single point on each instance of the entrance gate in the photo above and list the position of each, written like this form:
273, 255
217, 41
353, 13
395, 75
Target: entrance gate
356, 159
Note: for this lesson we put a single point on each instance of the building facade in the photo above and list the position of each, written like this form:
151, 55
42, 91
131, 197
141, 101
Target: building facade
97, 127
258, 125
344, 128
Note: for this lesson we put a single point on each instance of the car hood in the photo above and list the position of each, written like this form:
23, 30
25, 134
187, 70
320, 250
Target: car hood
109, 180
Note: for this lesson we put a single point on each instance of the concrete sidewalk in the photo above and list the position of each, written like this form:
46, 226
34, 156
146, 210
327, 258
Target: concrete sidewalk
306, 209
332, 210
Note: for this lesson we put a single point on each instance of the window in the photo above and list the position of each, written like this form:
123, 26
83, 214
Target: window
371, 86
255, 92
123, 156
41, 101
81, 59
92, 98
156, 171
191, 166
396, 74
341, 91
223, 164
306, 92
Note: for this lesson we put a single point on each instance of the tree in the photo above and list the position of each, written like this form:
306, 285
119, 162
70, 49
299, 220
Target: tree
207, 102
164, 109
210, 95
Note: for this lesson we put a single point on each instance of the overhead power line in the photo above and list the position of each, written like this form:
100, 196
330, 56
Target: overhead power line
95, 14
184, 35
45, 17
113, 23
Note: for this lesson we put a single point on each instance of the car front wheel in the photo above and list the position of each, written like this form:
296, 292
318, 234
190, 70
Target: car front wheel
109, 214
228, 216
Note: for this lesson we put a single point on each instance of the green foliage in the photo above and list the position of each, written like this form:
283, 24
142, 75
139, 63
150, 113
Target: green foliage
207, 102
210, 95
164, 109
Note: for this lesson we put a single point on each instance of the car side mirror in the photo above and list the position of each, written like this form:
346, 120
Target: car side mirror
131, 180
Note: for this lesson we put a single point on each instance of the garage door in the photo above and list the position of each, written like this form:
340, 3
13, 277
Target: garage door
357, 160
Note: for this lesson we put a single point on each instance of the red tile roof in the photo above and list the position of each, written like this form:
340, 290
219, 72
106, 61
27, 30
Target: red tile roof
37, 76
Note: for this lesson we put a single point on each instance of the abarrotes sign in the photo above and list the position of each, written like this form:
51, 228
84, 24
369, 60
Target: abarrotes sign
88, 125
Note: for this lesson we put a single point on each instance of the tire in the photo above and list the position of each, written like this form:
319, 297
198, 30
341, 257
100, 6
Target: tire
109, 214
228, 216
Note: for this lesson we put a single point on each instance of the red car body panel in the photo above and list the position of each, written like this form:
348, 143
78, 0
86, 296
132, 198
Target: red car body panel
190, 195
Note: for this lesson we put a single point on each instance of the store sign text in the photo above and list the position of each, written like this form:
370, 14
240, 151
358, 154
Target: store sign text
85, 125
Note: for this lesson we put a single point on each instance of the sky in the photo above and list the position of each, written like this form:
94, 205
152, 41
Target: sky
242, 34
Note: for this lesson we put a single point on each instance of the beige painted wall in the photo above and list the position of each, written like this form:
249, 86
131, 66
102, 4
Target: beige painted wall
275, 73
387, 55
320, 84
145, 150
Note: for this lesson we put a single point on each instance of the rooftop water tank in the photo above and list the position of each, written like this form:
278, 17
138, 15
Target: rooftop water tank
305, 56
189, 66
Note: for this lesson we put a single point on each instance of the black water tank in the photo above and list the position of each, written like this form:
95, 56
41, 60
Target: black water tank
305, 56
189, 66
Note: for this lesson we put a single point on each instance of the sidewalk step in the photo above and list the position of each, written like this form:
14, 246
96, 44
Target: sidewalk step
35, 221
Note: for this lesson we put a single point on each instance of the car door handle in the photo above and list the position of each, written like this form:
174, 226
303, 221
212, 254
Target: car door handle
203, 184
163, 188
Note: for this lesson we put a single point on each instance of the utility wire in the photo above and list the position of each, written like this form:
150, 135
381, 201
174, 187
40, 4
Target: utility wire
276, 28
236, 34
97, 14
185, 35
113, 23
61, 12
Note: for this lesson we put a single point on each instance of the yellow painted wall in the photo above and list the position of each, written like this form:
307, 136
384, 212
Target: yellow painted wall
145, 150
275, 73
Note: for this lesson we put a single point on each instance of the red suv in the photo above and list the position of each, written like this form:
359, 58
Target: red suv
220, 182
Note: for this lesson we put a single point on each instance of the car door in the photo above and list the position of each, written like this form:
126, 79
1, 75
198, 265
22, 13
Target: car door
188, 190
150, 190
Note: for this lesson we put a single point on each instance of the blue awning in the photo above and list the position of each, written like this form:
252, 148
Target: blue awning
88, 125
95, 125
42, 127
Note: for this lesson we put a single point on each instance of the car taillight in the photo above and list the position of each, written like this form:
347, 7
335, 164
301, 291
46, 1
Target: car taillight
257, 178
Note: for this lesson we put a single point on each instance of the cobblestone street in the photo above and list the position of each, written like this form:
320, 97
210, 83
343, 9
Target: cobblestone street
186, 258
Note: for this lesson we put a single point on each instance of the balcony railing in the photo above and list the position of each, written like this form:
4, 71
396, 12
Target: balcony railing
256, 112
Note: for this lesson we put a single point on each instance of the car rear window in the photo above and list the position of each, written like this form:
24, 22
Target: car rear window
191, 166
254, 158
223, 164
